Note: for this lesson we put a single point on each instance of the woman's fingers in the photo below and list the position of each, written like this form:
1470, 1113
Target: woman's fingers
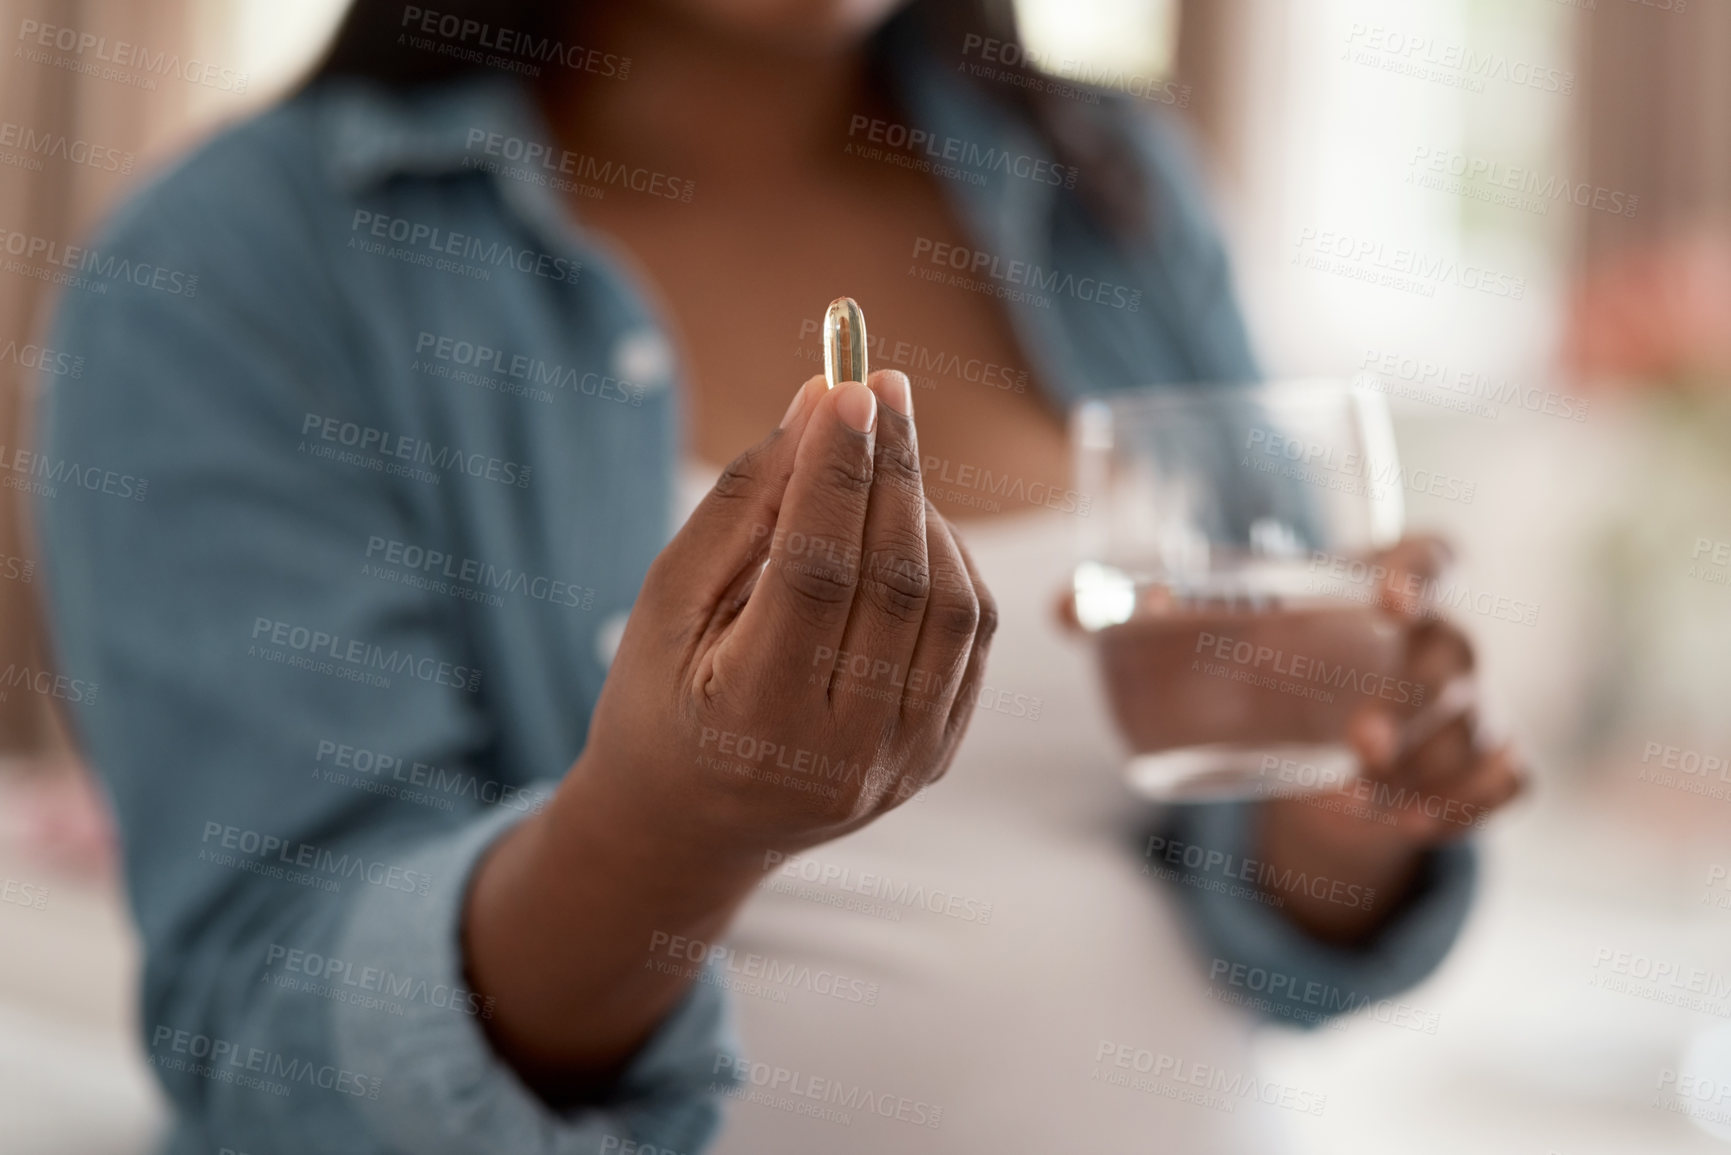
1437, 742
716, 554
1487, 783
1437, 653
792, 628
895, 578
967, 692
948, 631
1411, 568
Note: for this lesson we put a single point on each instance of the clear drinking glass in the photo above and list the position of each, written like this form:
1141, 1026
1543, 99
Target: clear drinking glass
1227, 574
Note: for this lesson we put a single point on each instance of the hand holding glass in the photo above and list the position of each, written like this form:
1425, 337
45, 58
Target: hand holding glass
1228, 574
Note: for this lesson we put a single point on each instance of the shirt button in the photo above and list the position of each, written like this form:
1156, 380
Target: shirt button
643, 358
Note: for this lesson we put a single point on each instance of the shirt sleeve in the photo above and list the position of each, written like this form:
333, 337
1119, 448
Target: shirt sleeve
1258, 958
449, 1093
303, 984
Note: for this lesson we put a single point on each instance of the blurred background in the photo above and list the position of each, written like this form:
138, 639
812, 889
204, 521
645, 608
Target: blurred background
1512, 216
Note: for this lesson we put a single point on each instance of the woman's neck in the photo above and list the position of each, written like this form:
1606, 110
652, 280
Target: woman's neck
708, 104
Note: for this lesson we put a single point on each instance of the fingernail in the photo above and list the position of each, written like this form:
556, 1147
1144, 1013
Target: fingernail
857, 405
794, 407
896, 392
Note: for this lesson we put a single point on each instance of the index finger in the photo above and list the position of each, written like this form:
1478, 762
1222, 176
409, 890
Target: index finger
799, 610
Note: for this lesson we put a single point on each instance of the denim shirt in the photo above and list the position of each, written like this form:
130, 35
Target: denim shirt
383, 445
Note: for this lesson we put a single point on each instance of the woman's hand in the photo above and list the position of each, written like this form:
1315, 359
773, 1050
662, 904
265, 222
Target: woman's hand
802, 657
1425, 779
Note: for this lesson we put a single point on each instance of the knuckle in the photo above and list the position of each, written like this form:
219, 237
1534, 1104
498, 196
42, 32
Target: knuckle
741, 475
955, 612
988, 615
848, 473
898, 466
826, 587
899, 583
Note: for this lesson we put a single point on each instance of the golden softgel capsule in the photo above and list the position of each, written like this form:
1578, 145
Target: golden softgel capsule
844, 343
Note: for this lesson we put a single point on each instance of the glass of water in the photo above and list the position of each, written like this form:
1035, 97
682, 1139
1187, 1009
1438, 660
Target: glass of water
1227, 574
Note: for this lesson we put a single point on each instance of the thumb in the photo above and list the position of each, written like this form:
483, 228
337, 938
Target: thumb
722, 544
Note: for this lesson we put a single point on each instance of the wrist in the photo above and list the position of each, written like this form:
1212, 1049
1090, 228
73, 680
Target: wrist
560, 920
647, 840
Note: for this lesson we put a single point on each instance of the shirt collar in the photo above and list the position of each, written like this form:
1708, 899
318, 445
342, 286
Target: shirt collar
375, 134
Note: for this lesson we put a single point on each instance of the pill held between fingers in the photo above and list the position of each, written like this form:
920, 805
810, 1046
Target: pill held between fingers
844, 342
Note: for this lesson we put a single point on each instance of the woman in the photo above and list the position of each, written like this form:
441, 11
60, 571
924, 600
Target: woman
418, 843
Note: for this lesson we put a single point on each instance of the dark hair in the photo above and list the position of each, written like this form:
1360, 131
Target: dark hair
371, 44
